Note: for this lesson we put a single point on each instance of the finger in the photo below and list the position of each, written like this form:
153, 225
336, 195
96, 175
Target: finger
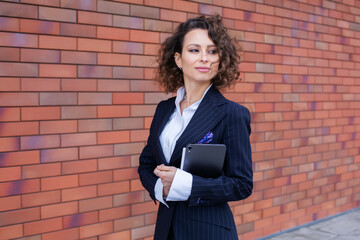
165, 168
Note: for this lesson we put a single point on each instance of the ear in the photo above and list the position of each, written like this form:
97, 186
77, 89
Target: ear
177, 58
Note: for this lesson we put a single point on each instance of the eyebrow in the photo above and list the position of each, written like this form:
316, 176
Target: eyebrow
198, 45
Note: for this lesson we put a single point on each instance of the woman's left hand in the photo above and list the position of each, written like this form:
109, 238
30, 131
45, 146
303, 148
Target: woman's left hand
166, 174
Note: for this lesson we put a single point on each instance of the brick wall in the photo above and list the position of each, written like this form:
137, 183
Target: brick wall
77, 97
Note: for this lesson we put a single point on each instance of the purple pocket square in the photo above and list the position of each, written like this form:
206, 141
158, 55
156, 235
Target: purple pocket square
207, 139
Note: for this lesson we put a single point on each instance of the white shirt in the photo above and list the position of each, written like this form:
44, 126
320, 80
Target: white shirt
180, 189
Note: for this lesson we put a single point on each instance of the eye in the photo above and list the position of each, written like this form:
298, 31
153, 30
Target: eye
194, 50
213, 51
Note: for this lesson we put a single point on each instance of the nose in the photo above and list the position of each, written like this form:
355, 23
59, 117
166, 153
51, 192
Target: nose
204, 57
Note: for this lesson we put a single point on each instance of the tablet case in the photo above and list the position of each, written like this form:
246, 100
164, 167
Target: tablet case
204, 160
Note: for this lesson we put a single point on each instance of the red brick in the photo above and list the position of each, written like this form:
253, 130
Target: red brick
19, 69
184, 6
39, 142
128, 223
79, 166
94, 45
57, 14
128, 148
82, 4
19, 128
43, 2
57, 70
114, 213
77, 112
9, 24
95, 125
41, 198
127, 47
19, 216
11, 231
59, 155
114, 7
113, 59
145, 231
135, 185
125, 174
61, 182
113, 33
42, 226
128, 123
80, 219
42, 27
128, 73
18, 99
78, 193
113, 137
12, 114
128, 198
96, 229
95, 204
60, 209
43, 170
69, 234
77, 30
95, 71
113, 163
10, 203
9, 54
94, 98
40, 84
18, 10
78, 85
113, 188
19, 187
57, 42
19, 158
78, 139
144, 36
73, 57
53, 127
116, 235
95, 178
113, 111
40, 113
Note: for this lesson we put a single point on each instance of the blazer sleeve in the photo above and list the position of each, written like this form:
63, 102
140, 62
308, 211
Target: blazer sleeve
147, 163
236, 183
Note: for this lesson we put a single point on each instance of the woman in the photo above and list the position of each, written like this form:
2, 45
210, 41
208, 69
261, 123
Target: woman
197, 60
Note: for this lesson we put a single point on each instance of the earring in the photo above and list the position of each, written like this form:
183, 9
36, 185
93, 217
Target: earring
180, 68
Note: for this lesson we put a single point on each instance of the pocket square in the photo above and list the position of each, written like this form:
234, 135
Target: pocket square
207, 138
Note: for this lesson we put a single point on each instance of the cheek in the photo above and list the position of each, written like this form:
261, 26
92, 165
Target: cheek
215, 66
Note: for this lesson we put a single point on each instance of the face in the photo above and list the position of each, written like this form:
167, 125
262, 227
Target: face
199, 59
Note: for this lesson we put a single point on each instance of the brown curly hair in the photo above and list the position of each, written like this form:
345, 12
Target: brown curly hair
171, 77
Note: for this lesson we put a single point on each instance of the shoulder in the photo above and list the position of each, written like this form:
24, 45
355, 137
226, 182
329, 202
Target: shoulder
166, 103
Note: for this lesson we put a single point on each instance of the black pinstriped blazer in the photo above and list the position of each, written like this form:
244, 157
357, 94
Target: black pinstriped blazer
206, 214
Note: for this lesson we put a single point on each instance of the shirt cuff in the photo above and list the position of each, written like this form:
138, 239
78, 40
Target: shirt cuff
180, 189
159, 192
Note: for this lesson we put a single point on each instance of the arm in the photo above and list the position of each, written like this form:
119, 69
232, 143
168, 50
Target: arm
147, 163
236, 183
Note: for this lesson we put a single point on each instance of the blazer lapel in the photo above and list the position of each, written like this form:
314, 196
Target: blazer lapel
160, 126
205, 118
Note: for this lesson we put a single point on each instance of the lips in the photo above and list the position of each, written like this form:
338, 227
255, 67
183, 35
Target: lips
203, 69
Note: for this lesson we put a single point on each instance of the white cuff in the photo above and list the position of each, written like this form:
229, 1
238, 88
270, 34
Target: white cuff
180, 189
159, 192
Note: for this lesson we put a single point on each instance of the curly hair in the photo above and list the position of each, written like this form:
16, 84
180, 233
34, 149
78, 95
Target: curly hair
171, 77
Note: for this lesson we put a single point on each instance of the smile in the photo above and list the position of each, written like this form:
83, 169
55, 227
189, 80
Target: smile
203, 69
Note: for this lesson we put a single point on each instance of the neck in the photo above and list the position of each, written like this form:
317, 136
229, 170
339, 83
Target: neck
194, 92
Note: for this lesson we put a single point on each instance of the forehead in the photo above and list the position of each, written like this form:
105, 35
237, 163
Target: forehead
198, 37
